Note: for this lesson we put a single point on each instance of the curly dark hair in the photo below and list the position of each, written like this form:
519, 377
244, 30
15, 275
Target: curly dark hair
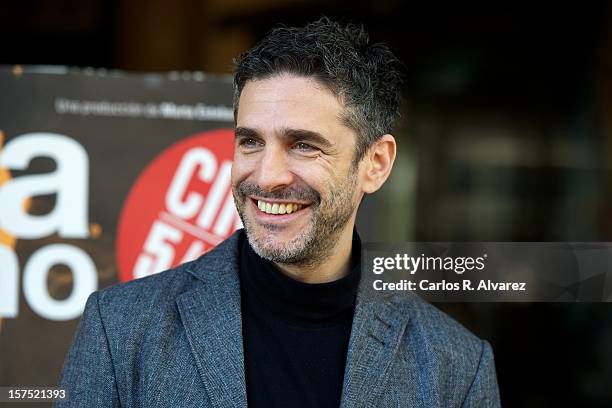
365, 76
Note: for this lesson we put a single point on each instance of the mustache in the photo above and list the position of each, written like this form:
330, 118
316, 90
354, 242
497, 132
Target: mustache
296, 193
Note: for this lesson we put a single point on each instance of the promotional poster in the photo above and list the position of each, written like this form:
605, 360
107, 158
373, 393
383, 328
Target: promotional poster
106, 177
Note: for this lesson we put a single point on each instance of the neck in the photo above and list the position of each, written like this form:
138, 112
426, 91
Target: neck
332, 267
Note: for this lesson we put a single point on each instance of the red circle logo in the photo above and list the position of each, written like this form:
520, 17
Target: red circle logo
180, 206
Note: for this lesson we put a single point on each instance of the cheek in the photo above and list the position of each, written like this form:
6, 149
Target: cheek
241, 168
319, 169
324, 183
311, 174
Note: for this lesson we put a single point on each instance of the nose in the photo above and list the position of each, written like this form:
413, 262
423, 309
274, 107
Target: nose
273, 171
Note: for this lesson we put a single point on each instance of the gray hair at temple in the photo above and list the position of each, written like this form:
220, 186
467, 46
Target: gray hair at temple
366, 77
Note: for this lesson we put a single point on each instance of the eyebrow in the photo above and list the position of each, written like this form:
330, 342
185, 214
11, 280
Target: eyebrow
245, 132
292, 135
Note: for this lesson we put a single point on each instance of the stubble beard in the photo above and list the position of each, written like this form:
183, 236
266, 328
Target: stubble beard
312, 246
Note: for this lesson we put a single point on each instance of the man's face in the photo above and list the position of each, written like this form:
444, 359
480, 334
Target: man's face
294, 182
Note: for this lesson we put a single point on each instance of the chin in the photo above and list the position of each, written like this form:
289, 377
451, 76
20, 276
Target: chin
275, 245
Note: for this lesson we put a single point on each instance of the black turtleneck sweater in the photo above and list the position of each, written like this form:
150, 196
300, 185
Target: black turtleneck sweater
295, 334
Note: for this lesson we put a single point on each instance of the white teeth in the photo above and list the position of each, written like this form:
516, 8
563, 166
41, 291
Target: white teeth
276, 208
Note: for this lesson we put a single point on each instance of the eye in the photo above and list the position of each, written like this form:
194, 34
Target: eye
305, 147
248, 143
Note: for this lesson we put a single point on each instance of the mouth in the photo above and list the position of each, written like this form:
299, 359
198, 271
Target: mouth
278, 209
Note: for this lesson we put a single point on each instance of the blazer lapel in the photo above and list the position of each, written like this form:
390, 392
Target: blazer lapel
212, 319
378, 328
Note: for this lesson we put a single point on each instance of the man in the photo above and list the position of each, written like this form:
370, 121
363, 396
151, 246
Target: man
278, 315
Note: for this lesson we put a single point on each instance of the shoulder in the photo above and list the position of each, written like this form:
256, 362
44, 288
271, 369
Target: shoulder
161, 290
138, 293
458, 363
453, 366
440, 334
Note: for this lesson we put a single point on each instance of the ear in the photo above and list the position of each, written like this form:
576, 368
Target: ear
378, 162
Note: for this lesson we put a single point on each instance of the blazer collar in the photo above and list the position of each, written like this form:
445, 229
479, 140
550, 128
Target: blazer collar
379, 324
212, 319
211, 314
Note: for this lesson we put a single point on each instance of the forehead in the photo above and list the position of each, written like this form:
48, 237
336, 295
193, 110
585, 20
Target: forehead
289, 102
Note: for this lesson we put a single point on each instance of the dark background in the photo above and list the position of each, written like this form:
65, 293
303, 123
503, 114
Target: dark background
505, 135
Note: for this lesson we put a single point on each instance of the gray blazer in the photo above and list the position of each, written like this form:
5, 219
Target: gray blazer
174, 339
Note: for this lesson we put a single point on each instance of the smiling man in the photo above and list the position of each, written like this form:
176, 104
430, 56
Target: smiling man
278, 315
296, 178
